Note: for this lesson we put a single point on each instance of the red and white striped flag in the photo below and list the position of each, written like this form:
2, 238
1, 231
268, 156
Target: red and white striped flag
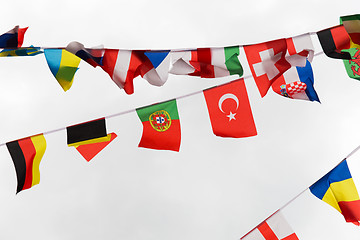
273, 228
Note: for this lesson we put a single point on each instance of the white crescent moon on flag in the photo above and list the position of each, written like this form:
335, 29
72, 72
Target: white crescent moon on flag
228, 96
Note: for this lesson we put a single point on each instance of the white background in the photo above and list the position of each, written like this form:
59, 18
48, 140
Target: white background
214, 188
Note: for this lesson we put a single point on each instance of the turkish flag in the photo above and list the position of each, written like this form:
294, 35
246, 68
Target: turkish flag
267, 62
230, 111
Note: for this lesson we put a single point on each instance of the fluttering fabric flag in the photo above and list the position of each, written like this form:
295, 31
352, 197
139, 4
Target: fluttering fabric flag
273, 228
161, 126
352, 27
156, 69
267, 62
89, 138
352, 65
207, 62
125, 65
63, 65
90, 150
13, 38
20, 52
86, 132
300, 50
26, 154
297, 83
333, 40
92, 56
122, 66
337, 188
229, 110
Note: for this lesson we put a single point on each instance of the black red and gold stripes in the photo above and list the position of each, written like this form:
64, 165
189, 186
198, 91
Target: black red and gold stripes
85, 132
26, 154
333, 40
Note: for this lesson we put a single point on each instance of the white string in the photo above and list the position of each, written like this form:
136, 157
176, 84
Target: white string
298, 195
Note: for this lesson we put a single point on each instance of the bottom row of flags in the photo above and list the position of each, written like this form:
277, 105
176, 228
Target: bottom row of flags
230, 116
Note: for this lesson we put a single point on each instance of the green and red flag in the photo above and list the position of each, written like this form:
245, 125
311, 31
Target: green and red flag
26, 154
161, 126
352, 65
352, 26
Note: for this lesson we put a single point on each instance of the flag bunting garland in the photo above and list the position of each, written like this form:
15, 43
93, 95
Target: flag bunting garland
283, 65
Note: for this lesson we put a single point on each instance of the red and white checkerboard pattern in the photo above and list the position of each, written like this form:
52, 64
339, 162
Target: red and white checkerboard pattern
295, 87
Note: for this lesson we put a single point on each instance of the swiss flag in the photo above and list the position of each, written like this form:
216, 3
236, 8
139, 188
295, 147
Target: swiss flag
267, 62
230, 111
273, 228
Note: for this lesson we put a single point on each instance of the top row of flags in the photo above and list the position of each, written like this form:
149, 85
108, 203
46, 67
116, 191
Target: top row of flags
282, 64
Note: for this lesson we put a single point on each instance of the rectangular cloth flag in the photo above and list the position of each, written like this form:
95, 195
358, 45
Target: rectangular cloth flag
125, 65
273, 228
337, 188
89, 138
207, 62
26, 154
267, 62
20, 52
297, 83
352, 27
92, 56
230, 111
333, 40
161, 126
13, 38
352, 65
63, 65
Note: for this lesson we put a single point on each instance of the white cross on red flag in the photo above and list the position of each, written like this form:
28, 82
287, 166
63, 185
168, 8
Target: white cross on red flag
267, 62
273, 228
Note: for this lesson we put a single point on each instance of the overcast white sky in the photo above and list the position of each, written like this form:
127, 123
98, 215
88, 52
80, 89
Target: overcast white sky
214, 188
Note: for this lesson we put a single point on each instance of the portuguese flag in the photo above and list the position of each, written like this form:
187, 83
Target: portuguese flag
26, 154
161, 126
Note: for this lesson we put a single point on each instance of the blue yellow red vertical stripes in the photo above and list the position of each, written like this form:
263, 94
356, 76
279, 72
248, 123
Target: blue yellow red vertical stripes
337, 188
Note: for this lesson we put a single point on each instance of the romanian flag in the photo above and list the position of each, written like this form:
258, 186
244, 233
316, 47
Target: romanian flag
13, 38
161, 126
89, 138
63, 65
337, 188
26, 154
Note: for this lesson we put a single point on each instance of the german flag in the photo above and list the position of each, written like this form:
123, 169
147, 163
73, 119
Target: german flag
333, 40
26, 154
89, 138
87, 132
